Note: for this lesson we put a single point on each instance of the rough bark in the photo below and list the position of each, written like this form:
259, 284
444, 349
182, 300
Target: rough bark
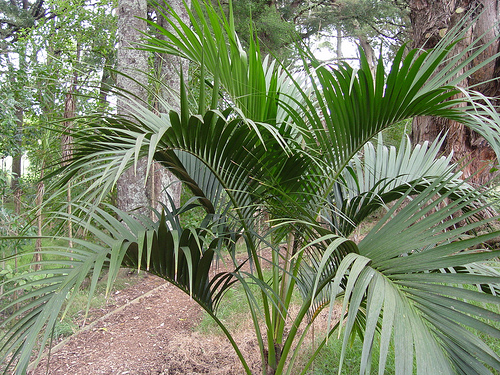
67, 142
430, 22
168, 68
130, 192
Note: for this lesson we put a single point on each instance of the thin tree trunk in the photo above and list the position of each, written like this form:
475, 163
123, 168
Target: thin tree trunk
430, 22
67, 143
40, 190
17, 163
340, 55
107, 81
67, 152
369, 53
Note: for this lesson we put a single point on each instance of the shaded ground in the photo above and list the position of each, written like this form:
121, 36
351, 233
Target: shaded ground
149, 330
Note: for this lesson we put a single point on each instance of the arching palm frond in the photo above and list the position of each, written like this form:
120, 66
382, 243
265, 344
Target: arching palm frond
282, 142
181, 256
379, 175
412, 281
212, 43
349, 106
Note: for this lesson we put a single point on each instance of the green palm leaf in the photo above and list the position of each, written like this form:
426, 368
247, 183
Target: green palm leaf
181, 256
424, 314
380, 175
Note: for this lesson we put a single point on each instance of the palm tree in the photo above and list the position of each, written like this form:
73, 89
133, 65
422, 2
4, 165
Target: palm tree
296, 146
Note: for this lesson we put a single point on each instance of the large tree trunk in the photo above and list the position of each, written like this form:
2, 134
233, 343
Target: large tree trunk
131, 193
430, 21
168, 69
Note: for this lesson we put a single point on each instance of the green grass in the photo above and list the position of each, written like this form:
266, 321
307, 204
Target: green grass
233, 312
393, 134
328, 360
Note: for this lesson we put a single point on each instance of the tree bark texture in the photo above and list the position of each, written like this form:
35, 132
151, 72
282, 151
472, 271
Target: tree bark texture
168, 69
430, 20
131, 192
67, 143
134, 191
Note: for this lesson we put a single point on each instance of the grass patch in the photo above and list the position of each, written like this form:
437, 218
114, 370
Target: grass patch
233, 312
328, 360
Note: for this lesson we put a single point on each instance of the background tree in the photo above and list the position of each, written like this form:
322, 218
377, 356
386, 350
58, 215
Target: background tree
374, 25
130, 190
51, 71
431, 20
165, 87
19, 16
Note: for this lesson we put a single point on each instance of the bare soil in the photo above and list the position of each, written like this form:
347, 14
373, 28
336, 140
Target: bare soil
149, 329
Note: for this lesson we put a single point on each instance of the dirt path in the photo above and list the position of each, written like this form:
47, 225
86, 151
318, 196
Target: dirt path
150, 329
152, 334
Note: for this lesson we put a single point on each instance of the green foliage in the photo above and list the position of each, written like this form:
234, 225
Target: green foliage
278, 25
267, 22
24, 280
5, 179
285, 146
327, 360
13, 225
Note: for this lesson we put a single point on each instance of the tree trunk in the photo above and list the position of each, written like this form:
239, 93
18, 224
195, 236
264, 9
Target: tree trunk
17, 163
130, 190
108, 79
340, 55
67, 148
430, 22
369, 52
132, 193
168, 68
40, 190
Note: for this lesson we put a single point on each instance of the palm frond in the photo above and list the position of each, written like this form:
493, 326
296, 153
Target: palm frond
424, 308
251, 84
379, 175
181, 256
